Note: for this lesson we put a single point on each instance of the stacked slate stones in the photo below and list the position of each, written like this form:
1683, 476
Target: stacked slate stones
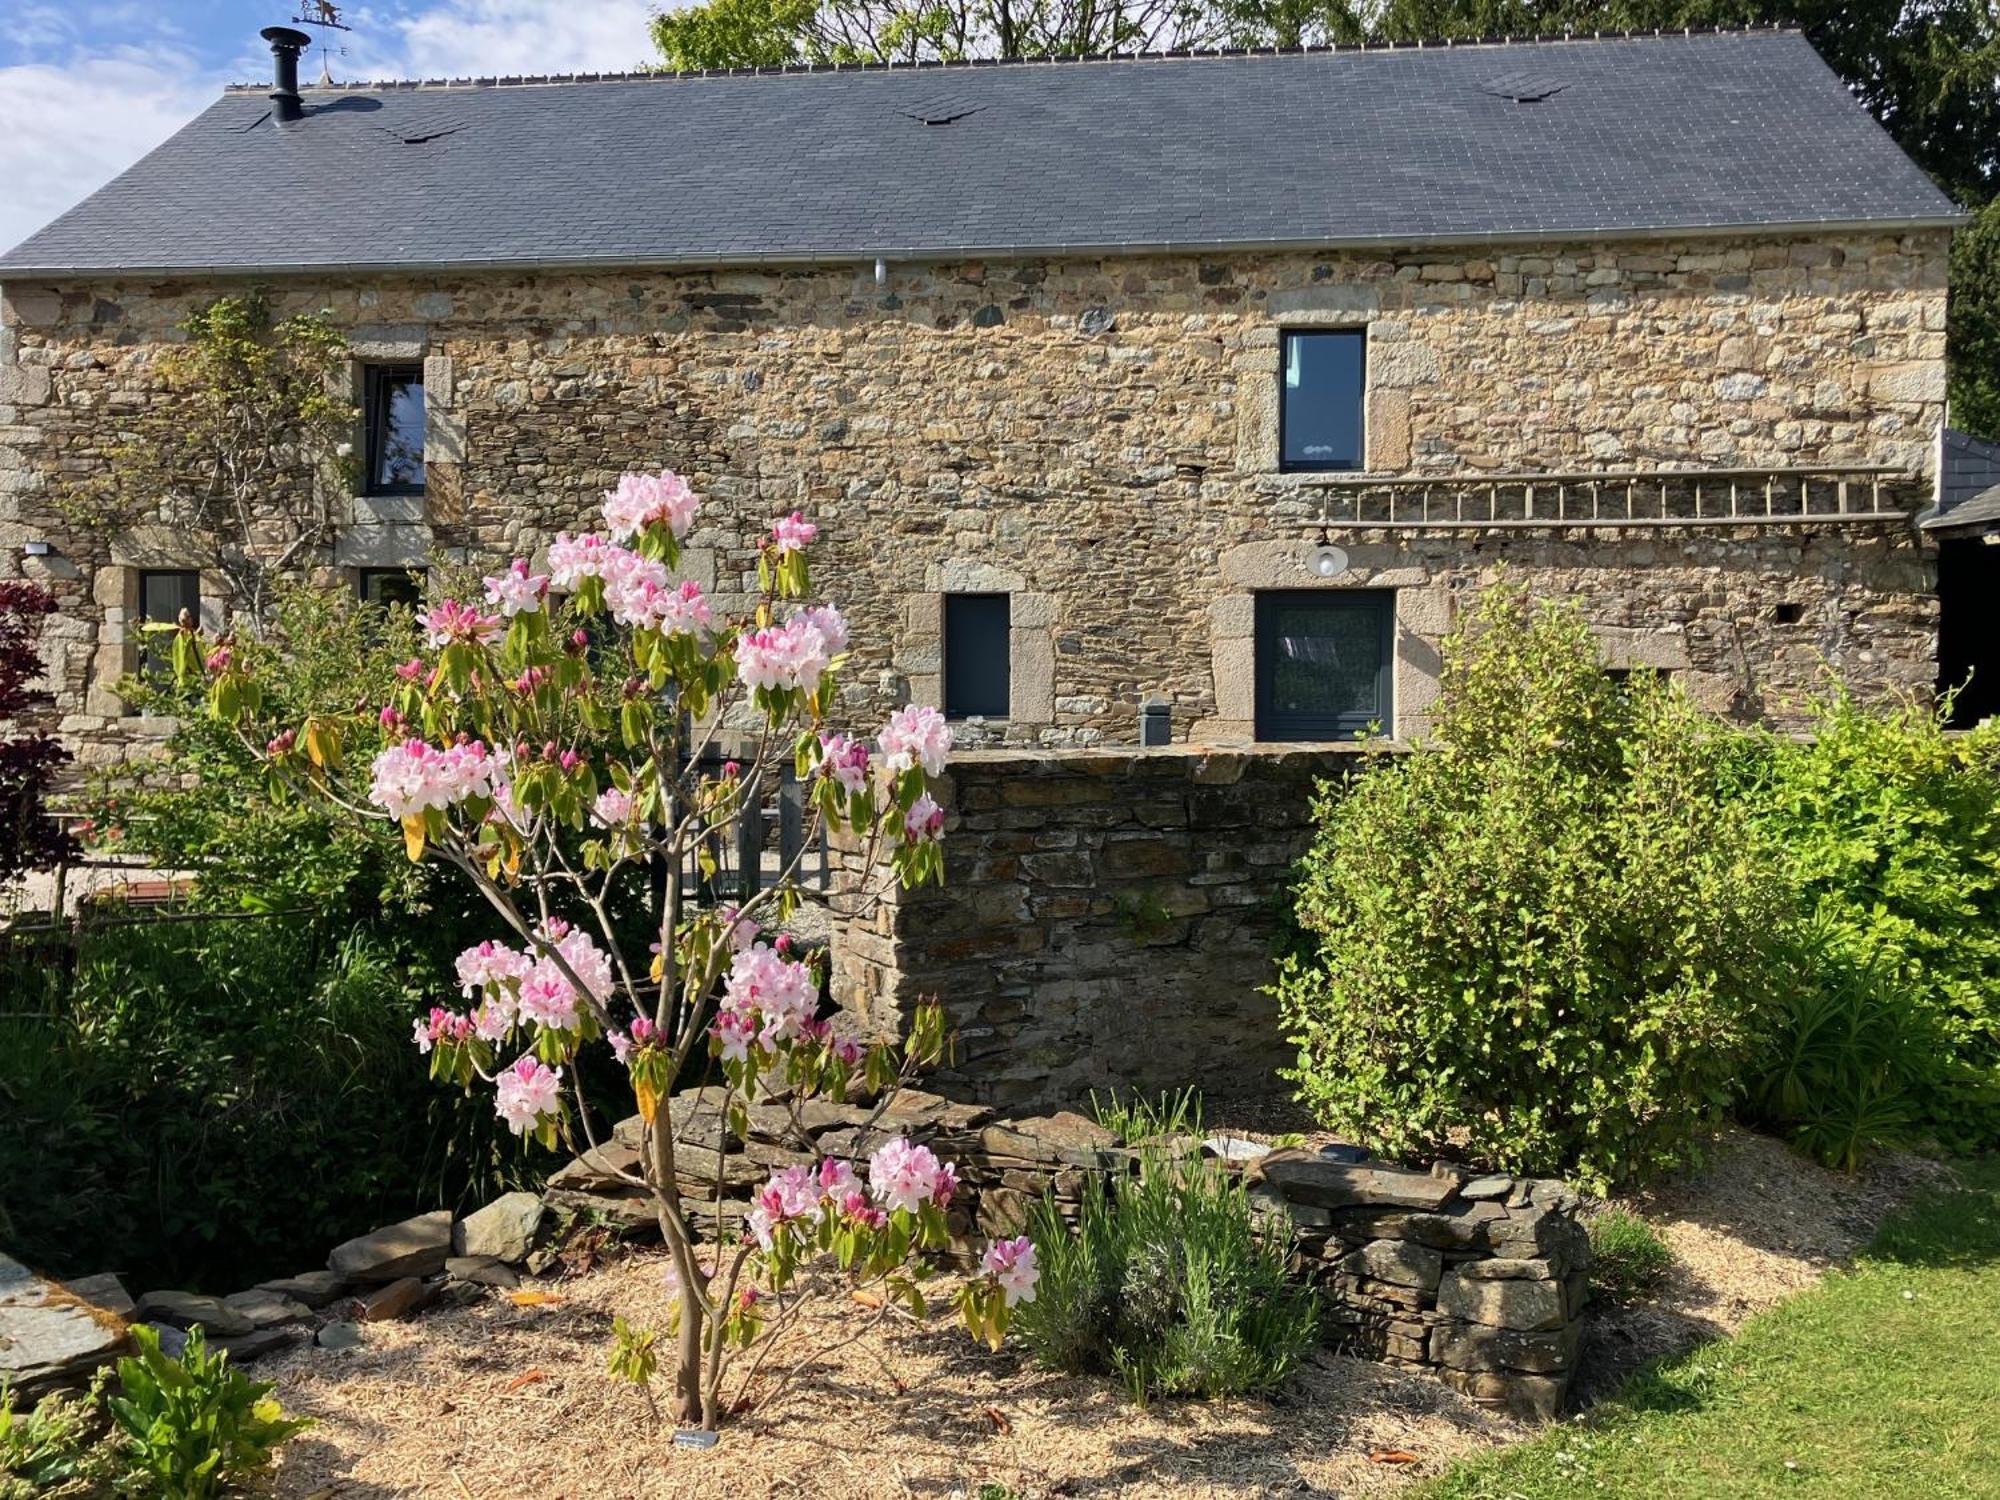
1480, 1280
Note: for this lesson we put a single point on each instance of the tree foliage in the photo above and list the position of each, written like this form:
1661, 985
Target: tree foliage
29, 757
242, 458
1543, 939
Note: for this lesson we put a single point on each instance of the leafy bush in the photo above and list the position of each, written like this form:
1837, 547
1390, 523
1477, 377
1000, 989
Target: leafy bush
1170, 1284
1889, 829
209, 1103
1627, 1256
46, 1446
1543, 939
193, 1425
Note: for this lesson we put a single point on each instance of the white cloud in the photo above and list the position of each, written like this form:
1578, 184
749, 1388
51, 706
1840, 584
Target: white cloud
66, 130
473, 38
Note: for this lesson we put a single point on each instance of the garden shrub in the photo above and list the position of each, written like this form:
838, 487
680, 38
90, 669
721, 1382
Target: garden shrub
1889, 829
1543, 940
1627, 1256
47, 1446
195, 1427
1170, 1283
209, 1103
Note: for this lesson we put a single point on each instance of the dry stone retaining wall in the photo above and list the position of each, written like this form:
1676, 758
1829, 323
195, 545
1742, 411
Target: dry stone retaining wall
1097, 438
1107, 918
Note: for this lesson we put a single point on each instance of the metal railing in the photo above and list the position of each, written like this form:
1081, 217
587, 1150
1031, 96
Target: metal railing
1831, 495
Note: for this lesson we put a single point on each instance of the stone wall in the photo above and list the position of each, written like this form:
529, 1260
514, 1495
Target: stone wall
1098, 438
1106, 920
1481, 1281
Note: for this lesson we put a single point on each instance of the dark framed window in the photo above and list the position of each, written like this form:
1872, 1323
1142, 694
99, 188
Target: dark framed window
1319, 405
392, 586
1323, 666
393, 406
165, 595
976, 677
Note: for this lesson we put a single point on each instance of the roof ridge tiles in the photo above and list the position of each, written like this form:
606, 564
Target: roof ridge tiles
665, 74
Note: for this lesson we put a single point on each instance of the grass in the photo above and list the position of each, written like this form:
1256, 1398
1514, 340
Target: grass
1878, 1384
1627, 1256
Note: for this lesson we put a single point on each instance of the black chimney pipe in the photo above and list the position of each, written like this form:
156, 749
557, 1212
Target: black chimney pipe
286, 45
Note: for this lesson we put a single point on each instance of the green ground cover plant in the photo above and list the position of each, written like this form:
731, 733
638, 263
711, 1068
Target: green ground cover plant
1876, 1385
1628, 1258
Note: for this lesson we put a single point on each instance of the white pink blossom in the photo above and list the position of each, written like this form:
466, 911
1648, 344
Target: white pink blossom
825, 619
924, 822
1011, 1263
845, 760
573, 559
416, 776
641, 500
613, 807
782, 994
491, 966
905, 1176
837, 1182
517, 591
792, 1193
916, 735
783, 657
792, 533
527, 1093
547, 997
449, 622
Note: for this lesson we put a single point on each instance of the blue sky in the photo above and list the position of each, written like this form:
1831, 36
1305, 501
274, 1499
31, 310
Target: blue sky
88, 88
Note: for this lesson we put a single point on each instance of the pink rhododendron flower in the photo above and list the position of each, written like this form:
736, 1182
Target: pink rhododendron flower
415, 776
573, 559
518, 591
491, 966
441, 1025
644, 499
792, 533
764, 983
845, 760
837, 1182
631, 585
739, 931
494, 1019
621, 1045
924, 822
590, 963
412, 670
792, 655
792, 1193
547, 997
737, 1031
903, 1176
219, 659
450, 622
825, 619
613, 808
916, 735
1011, 1263
526, 1093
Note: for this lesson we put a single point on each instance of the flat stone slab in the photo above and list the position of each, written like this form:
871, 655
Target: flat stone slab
314, 1288
415, 1247
104, 1291
482, 1270
398, 1299
194, 1310
1234, 1149
1313, 1179
268, 1309
48, 1335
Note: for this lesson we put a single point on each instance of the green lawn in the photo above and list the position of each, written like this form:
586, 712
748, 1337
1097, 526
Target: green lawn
1883, 1382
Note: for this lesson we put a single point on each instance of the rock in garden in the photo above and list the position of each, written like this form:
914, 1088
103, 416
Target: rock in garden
104, 1291
268, 1309
1472, 1347
314, 1288
415, 1247
482, 1270
1397, 1261
1313, 1179
47, 1336
1234, 1149
398, 1299
193, 1310
1528, 1306
338, 1336
1486, 1187
504, 1229
1510, 1270
256, 1344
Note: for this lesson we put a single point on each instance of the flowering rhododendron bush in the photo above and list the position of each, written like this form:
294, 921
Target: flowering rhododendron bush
553, 746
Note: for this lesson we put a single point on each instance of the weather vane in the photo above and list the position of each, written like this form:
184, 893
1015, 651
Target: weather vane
324, 14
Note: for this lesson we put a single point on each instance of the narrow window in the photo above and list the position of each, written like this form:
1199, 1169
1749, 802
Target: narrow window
403, 586
1319, 413
165, 597
394, 405
1323, 662
975, 656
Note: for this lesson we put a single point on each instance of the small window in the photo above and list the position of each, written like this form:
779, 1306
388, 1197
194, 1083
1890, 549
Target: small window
1323, 662
394, 404
1319, 412
166, 596
385, 586
975, 656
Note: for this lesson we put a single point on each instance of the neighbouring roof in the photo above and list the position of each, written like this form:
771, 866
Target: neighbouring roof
1970, 465
1640, 135
1980, 512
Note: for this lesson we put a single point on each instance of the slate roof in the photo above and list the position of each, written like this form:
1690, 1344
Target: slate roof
1970, 465
1674, 134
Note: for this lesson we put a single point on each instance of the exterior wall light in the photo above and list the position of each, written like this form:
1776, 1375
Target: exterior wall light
1327, 561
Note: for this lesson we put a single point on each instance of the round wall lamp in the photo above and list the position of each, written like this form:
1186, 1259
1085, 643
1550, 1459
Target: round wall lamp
1327, 561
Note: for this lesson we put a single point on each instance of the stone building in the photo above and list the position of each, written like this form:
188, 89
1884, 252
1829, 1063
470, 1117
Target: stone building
1219, 382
